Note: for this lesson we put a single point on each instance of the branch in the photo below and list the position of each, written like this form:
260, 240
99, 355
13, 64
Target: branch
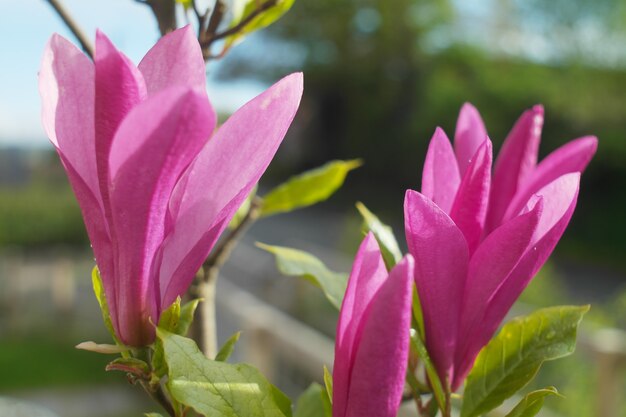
84, 41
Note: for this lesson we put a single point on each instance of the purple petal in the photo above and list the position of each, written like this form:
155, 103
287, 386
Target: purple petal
220, 179
152, 147
176, 59
441, 260
440, 178
571, 157
516, 161
367, 276
559, 201
493, 261
119, 87
379, 370
471, 203
469, 136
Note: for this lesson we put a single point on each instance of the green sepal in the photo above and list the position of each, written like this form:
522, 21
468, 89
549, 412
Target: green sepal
328, 383
98, 290
227, 349
416, 344
514, 356
294, 262
383, 234
308, 188
133, 366
212, 387
187, 312
264, 19
310, 403
531, 404
170, 317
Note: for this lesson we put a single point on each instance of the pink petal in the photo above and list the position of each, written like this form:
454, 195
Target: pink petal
441, 260
515, 163
440, 178
176, 59
471, 203
367, 276
571, 157
221, 177
470, 134
119, 87
152, 147
379, 369
559, 201
490, 265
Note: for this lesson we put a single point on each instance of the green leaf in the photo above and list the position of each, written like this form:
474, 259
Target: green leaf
170, 317
243, 9
241, 212
531, 404
187, 312
98, 290
310, 402
282, 401
328, 382
514, 356
384, 235
227, 349
307, 188
216, 388
417, 345
293, 262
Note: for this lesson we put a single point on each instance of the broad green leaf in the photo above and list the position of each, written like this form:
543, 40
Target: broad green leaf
170, 317
514, 356
101, 348
130, 365
384, 235
216, 388
241, 212
531, 404
310, 402
417, 345
187, 312
227, 349
328, 382
98, 290
264, 19
307, 188
295, 262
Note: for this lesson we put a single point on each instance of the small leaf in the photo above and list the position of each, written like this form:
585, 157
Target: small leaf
170, 317
227, 349
514, 356
130, 365
243, 12
101, 348
531, 404
282, 401
307, 188
152, 415
293, 262
242, 211
417, 345
328, 382
310, 402
187, 312
384, 235
216, 388
98, 290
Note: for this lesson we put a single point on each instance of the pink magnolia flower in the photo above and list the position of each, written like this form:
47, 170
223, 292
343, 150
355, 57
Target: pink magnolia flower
478, 240
155, 183
371, 350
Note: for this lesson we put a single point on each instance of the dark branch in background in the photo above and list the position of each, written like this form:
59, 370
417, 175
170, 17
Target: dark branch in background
84, 41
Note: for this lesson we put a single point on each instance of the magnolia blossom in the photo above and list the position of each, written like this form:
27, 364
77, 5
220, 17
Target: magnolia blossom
156, 184
371, 350
478, 238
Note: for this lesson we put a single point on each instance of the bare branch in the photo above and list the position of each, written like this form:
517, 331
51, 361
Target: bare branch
78, 33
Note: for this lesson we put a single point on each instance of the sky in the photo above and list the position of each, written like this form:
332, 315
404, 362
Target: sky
26, 27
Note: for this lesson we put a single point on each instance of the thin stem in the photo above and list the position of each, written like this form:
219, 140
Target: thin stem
78, 33
205, 324
159, 396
